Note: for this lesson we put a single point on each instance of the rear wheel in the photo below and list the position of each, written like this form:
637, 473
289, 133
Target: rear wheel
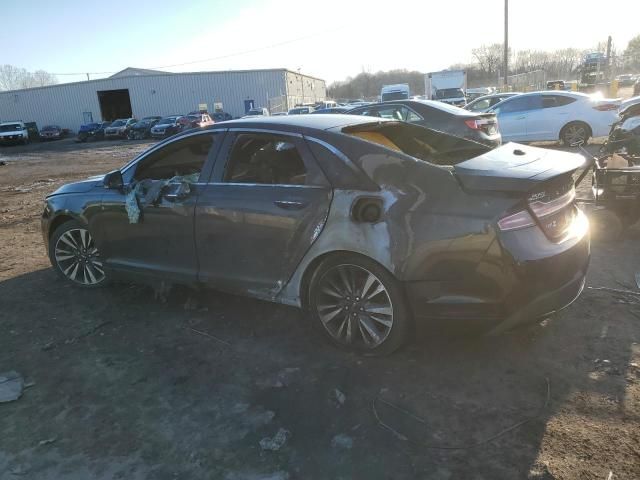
75, 257
575, 133
358, 305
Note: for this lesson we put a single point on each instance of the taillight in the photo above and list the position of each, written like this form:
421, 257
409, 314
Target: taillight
515, 221
472, 124
606, 107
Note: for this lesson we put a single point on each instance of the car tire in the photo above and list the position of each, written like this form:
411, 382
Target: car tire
358, 305
575, 133
74, 256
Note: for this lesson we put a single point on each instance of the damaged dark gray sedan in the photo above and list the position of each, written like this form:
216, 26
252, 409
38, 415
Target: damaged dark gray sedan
369, 225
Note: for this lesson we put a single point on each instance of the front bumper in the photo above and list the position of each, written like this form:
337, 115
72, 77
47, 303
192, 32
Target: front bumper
12, 138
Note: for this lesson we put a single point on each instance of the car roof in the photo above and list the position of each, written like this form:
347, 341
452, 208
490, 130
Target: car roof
295, 122
445, 107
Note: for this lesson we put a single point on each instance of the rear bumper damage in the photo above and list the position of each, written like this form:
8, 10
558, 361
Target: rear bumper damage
522, 278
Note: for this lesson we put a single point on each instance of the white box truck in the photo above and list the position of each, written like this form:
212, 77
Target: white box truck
448, 86
399, 91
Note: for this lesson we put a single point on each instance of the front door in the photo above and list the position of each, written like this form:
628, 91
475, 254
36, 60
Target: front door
265, 205
512, 119
160, 240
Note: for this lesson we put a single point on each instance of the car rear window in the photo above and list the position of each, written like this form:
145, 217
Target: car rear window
418, 142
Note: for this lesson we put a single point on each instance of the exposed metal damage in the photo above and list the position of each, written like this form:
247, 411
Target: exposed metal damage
149, 192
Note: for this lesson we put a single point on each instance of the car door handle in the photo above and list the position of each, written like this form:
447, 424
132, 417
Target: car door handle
290, 204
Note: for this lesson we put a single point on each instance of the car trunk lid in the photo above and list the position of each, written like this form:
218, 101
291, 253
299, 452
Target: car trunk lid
541, 179
515, 168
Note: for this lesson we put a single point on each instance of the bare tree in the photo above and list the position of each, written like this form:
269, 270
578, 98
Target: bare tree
13, 78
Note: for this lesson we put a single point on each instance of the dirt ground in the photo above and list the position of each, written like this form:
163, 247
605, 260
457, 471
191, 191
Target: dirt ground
124, 386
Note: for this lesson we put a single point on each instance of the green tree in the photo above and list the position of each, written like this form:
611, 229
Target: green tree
632, 53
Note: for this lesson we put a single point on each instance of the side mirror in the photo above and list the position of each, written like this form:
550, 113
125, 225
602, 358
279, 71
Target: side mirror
113, 180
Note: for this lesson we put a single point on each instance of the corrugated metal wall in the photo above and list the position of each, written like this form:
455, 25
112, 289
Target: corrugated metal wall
150, 95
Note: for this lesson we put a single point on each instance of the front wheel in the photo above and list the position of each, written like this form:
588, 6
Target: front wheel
358, 305
75, 257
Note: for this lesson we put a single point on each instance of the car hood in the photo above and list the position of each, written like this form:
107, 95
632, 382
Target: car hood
79, 187
515, 168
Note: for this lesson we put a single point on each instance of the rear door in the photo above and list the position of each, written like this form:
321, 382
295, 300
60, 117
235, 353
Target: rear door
544, 123
264, 206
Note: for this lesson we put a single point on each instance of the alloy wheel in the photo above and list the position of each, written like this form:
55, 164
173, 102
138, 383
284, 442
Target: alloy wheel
78, 258
575, 134
354, 306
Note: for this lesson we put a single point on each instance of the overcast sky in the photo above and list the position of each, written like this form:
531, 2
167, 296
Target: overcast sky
331, 39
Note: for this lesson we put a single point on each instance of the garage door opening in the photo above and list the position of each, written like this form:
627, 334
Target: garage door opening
114, 104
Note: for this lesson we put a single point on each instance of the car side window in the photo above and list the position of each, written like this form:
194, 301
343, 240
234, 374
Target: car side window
521, 104
265, 159
550, 101
184, 157
480, 105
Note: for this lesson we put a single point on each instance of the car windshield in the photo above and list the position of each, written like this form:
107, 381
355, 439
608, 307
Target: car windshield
450, 93
255, 111
394, 96
119, 123
49, 127
167, 121
10, 127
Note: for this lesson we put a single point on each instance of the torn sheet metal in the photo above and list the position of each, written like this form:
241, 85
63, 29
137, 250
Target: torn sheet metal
148, 192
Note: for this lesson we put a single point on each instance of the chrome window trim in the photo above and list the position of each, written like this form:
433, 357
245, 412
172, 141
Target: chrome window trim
266, 131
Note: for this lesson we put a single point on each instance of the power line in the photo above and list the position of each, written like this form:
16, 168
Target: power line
220, 57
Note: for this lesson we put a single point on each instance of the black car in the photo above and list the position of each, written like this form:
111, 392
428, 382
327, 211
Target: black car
343, 109
52, 132
142, 129
221, 117
92, 131
171, 125
368, 224
479, 127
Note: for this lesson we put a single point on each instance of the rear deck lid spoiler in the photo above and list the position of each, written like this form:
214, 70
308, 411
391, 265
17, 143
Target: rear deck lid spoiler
515, 168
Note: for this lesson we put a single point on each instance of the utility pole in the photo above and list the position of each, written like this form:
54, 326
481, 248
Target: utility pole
505, 61
87, 76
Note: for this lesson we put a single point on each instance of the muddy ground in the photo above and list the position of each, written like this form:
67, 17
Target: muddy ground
124, 386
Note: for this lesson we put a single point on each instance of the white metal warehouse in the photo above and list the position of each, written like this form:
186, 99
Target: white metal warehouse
139, 93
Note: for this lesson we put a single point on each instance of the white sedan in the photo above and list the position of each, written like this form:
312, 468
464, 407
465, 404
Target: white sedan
572, 117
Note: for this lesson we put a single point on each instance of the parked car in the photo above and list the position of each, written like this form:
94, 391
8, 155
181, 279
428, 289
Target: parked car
221, 116
279, 114
479, 127
170, 126
625, 80
13, 132
301, 110
482, 104
402, 224
342, 109
53, 132
142, 129
557, 85
572, 117
119, 128
256, 112
92, 131
200, 120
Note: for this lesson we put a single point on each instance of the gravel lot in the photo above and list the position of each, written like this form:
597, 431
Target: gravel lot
195, 387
